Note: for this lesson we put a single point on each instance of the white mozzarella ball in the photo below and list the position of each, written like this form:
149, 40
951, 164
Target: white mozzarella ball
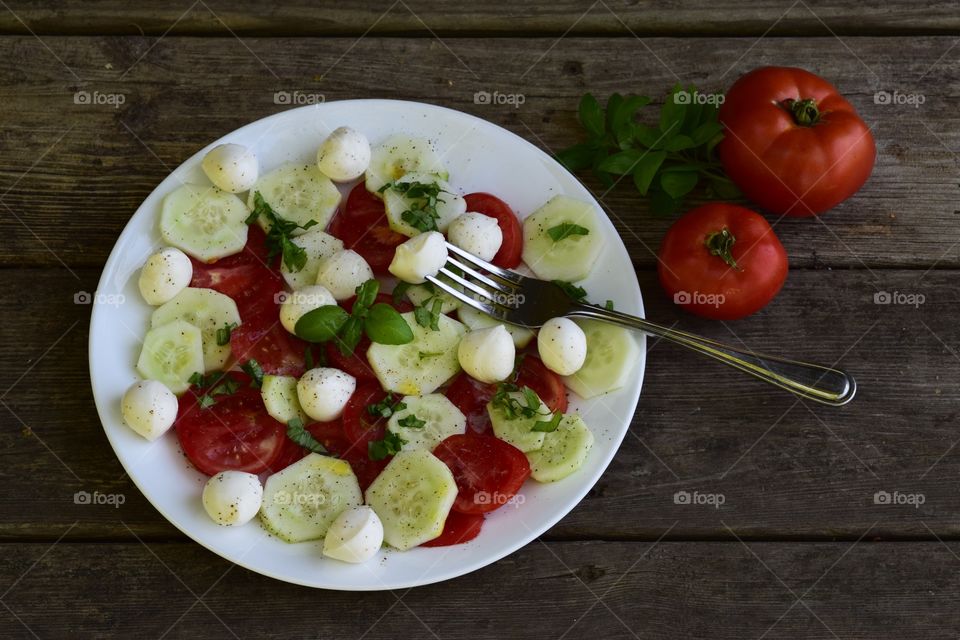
344, 155
232, 497
421, 256
149, 408
299, 302
165, 274
231, 167
477, 234
342, 272
355, 536
488, 354
562, 345
323, 392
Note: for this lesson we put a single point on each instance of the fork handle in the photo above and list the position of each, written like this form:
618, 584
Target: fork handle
825, 385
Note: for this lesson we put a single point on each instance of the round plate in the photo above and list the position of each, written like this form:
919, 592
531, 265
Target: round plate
481, 157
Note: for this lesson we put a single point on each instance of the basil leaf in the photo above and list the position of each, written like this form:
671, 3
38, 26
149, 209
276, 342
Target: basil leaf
297, 433
366, 295
677, 185
679, 143
350, 335
621, 163
390, 445
572, 290
662, 204
548, 426
565, 230
321, 324
672, 113
223, 333
622, 123
591, 115
724, 189
646, 169
706, 131
253, 369
614, 102
385, 325
411, 422
576, 157
399, 293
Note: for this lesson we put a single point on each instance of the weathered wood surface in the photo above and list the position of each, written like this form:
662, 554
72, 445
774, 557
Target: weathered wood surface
90, 166
906, 591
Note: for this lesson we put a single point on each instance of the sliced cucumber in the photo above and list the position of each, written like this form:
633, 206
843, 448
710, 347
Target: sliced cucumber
280, 398
478, 320
209, 311
441, 419
418, 367
205, 222
563, 451
412, 496
519, 431
420, 293
298, 193
300, 502
612, 353
171, 354
571, 258
399, 155
450, 204
317, 244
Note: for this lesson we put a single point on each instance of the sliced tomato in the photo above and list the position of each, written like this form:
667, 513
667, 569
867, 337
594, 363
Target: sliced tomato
548, 385
362, 225
261, 337
359, 425
511, 249
236, 433
459, 528
471, 397
290, 453
487, 470
356, 363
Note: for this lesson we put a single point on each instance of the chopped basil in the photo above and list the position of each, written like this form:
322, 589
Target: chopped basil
572, 290
223, 333
512, 407
386, 407
278, 236
548, 426
411, 422
422, 214
565, 230
429, 316
297, 433
390, 445
253, 369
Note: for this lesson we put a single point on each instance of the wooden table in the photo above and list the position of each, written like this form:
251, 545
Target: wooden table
799, 547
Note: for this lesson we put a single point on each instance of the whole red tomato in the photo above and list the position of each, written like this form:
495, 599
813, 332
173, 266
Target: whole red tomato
721, 261
793, 144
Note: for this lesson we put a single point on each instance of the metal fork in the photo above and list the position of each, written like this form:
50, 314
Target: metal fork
529, 302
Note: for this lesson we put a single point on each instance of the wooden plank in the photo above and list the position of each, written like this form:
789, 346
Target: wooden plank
421, 17
870, 591
784, 469
72, 174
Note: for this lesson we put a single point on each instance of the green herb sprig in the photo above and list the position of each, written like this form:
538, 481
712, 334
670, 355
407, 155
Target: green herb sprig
299, 434
422, 214
389, 446
386, 407
279, 234
215, 383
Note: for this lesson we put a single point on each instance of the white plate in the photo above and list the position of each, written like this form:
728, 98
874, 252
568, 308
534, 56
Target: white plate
481, 157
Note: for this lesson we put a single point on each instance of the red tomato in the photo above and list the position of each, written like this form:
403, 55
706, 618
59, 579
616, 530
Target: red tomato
471, 397
359, 425
261, 337
721, 261
362, 225
291, 452
793, 144
459, 528
508, 256
548, 385
487, 470
236, 433
356, 363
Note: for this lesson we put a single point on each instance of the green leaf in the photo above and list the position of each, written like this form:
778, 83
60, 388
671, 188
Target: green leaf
613, 106
297, 433
662, 204
321, 324
399, 293
411, 422
390, 445
705, 132
350, 335
622, 122
672, 114
223, 333
679, 143
565, 230
724, 189
591, 115
548, 426
620, 163
386, 407
385, 325
366, 295
674, 167
650, 137
253, 369
646, 170
577, 157
572, 290
677, 185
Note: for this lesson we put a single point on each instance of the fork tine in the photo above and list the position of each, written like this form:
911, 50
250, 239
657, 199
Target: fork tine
507, 288
489, 309
469, 285
477, 263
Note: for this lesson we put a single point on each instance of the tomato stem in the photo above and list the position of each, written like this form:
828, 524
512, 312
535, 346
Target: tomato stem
720, 243
805, 112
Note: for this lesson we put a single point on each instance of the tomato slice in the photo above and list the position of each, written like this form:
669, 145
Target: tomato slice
261, 337
356, 363
236, 433
359, 425
362, 225
488, 204
487, 470
459, 528
291, 452
548, 385
471, 397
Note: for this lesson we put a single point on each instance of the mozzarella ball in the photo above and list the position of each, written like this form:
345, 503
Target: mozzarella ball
149, 408
342, 272
421, 256
344, 155
355, 536
165, 274
232, 497
323, 392
562, 346
476, 233
299, 302
231, 167
488, 354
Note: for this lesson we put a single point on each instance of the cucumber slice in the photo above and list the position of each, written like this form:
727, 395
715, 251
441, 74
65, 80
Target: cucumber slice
171, 354
443, 419
571, 258
478, 320
300, 502
412, 496
450, 204
298, 193
420, 293
612, 353
209, 311
280, 398
204, 222
399, 155
563, 451
318, 244
518, 431
421, 366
